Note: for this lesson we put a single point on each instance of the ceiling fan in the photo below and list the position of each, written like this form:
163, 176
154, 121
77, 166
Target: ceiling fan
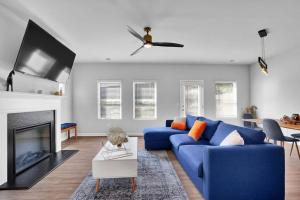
147, 40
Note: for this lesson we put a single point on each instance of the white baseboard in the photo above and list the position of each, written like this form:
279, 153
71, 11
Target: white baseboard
105, 134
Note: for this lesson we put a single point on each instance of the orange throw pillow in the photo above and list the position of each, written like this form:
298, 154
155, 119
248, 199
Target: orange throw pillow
197, 130
180, 125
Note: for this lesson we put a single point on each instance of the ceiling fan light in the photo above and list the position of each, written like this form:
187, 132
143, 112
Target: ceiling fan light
147, 45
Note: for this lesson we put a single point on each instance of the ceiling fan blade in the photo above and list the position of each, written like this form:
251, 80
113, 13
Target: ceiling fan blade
136, 51
166, 44
135, 34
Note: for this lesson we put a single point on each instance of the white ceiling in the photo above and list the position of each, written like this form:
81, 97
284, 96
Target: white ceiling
213, 31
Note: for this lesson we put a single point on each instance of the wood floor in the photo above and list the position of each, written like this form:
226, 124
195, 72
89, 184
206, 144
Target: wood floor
61, 183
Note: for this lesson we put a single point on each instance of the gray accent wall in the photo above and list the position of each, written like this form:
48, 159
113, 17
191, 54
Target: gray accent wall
168, 76
278, 93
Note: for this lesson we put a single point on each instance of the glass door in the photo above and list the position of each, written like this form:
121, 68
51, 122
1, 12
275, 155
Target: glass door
191, 97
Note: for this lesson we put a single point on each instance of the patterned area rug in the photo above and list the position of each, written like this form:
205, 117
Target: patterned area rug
156, 179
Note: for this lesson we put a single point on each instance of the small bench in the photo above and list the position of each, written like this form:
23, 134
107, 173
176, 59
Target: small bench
67, 127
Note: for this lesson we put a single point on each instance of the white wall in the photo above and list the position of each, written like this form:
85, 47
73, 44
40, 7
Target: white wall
168, 78
12, 29
278, 93
67, 101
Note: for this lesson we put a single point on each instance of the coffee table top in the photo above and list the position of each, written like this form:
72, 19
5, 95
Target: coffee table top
131, 147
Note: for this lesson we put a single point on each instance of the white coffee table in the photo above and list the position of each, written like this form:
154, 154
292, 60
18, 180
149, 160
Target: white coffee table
116, 168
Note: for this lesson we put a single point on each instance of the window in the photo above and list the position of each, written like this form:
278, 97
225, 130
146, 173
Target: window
226, 100
191, 97
144, 97
109, 100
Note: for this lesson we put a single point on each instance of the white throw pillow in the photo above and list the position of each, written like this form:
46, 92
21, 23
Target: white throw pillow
234, 138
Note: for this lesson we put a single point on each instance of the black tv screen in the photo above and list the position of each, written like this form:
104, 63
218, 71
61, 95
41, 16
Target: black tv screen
42, 55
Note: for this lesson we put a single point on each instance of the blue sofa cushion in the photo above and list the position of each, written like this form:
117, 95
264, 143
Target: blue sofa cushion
161, 133
211, 127
250, 136
192, 155
184, 139
190, 120
67, 125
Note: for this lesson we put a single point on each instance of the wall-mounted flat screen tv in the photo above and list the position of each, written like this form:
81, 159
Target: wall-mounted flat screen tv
42, 55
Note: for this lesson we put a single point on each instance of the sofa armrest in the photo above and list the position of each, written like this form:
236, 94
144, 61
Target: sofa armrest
169, 122
244, 172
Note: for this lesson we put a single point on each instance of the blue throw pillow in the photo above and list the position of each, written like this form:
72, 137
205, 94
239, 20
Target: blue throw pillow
250, 136
190, 120
211, 127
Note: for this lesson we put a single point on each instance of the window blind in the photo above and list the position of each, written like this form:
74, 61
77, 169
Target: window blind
109, 100
145, 100
226, 99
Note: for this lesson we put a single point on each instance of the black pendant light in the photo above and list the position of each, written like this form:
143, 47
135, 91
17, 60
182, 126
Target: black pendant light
262, 60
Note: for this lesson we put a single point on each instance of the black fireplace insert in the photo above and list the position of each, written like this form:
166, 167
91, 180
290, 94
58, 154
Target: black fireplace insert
31, 138
31, 145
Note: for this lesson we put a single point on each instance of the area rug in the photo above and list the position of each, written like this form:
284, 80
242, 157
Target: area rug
156, 179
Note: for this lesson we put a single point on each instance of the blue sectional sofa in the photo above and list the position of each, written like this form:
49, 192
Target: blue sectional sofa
254, 171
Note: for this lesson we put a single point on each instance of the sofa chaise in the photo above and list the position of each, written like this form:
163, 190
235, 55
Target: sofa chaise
254, 171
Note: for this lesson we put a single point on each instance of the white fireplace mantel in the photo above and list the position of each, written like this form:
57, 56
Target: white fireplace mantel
18, 102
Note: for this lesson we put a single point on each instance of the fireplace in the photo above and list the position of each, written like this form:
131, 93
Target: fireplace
31, 139
23, 117
31, 145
